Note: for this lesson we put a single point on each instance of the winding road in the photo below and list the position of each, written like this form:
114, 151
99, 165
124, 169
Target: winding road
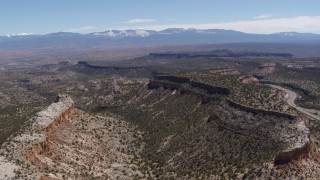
292, 96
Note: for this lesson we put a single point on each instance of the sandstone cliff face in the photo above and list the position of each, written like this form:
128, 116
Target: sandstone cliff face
62, 142
267, 68
65, 103
299, 145
260, 111
249, 80
54, 111
296, 136
34, 138
176, 82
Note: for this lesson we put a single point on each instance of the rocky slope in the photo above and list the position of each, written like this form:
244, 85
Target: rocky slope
64, 142
35, 136
178, 127
193, 132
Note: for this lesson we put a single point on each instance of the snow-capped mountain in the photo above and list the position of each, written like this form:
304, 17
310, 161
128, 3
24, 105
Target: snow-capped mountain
20, 34
172, 36
124, 33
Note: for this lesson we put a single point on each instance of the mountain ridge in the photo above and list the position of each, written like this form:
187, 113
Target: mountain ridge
165, 31
140, 37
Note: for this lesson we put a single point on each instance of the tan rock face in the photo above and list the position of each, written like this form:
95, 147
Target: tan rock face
299, 145
249, 80
53, 112
65, 142
267, 68
45, 145
34, 139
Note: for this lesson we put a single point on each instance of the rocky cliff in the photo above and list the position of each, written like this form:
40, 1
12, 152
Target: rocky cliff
259, 111
63, 142
33, 140
182, 80
295, 137
299, 145
267, 68
298, 141
86, 64
249, 80
175, 79
55, 111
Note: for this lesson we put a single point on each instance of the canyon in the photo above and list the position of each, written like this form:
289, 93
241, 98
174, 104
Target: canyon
155, 118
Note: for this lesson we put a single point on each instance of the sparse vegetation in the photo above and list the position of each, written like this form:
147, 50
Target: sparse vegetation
167, 132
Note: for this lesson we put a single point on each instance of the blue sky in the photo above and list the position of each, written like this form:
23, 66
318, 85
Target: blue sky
83, 16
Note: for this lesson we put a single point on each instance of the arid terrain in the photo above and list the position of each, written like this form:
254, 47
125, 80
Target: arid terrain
214, 114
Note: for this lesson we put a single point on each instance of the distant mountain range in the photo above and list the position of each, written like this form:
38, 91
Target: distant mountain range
172, 36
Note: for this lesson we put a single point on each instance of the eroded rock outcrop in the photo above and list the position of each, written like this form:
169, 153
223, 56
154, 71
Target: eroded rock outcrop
267, 68
175, 79
176, 82
33, 140
249, 80
295, 136
63, 142
299, 145
205, 92
259, 111
53, 112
